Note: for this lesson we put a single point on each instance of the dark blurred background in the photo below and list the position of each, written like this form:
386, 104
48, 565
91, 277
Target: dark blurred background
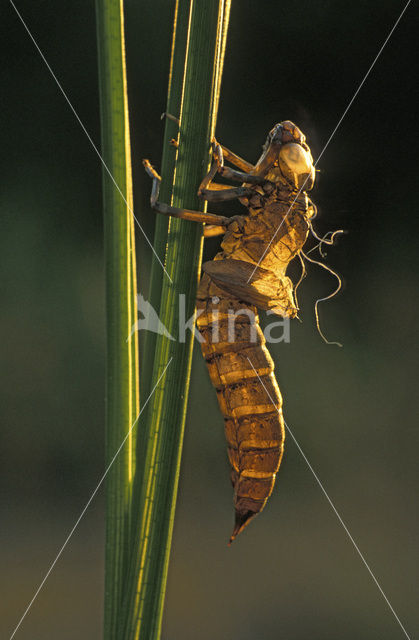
294, 573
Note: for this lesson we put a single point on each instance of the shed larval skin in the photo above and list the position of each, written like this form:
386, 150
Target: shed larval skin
239, 364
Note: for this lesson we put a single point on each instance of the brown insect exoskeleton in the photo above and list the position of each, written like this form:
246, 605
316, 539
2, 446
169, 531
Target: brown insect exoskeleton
250, 274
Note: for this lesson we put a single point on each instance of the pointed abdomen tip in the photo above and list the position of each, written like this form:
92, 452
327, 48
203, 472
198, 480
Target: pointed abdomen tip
242, 520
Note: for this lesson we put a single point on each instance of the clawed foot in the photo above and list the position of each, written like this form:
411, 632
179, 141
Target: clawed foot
217, 154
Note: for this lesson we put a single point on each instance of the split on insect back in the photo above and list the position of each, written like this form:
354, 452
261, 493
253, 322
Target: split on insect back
250, 274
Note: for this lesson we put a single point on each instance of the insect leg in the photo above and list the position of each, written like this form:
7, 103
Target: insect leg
219, 195
186, 214
219, 187
232, 157
225, 194
211, 230
235, 159
260, 169
169, 116
240, 176
232, 174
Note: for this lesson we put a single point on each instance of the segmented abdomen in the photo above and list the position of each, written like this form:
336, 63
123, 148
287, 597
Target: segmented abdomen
241, 370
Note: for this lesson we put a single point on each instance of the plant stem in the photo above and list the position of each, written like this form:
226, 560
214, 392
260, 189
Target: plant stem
167, 172
122, 394
157, 482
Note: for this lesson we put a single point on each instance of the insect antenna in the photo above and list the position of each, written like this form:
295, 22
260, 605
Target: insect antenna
331, 295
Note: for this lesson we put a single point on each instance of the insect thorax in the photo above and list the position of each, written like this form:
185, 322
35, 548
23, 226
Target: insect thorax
270, 237
275, 229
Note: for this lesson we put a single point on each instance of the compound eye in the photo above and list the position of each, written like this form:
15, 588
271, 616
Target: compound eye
297, 166
293, 133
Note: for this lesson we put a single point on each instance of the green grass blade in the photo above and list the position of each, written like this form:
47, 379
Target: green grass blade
167, 171
171, 130
121, 310
157, 483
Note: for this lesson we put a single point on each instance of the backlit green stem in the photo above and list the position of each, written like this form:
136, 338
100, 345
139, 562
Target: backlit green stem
157, 480
121, 311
